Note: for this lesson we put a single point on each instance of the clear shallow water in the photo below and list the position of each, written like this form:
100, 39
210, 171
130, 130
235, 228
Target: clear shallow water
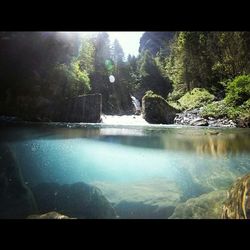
145, 164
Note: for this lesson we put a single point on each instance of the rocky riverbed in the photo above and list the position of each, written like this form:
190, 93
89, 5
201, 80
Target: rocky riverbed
194, 118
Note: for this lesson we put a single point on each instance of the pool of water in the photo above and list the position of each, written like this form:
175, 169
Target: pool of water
143, 171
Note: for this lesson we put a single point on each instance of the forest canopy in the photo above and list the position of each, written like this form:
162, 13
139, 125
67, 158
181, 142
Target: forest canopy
54, 67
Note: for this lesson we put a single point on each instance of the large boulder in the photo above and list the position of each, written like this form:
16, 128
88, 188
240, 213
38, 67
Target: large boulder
156, 110
16, 200
206, 206
78, 200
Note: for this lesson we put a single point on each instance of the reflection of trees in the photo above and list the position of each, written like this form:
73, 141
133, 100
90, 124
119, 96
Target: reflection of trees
212, 144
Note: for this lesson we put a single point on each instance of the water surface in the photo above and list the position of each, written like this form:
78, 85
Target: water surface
151, 165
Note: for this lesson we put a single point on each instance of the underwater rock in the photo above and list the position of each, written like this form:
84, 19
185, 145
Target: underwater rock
50, 215
206, 206
142, 210
16, 200
78, 200
155, 198
237, 205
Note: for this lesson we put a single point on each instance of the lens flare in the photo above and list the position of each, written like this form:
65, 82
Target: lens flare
111, 78
109, 65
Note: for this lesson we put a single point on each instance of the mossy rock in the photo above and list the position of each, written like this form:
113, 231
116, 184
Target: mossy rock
237, 205
156, 110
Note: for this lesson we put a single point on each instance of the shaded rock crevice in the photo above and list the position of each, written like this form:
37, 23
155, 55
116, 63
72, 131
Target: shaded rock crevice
16, 198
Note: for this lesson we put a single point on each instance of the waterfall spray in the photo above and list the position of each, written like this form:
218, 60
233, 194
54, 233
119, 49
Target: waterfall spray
136, 104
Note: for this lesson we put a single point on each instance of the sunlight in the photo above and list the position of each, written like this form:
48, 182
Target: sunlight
130, 41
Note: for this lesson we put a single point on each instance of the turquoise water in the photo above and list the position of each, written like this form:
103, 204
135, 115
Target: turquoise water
195, 160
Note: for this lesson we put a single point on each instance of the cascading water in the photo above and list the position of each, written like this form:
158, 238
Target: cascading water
136, 104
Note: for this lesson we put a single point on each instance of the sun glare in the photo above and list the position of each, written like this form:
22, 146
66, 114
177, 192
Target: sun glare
130, 41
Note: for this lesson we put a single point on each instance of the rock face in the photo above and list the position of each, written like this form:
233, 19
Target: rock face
50, 215
206, 206
78, 200
85, 108
237, 205
16, 200
156, 110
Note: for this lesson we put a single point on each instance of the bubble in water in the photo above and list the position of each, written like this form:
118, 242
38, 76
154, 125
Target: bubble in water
111, 78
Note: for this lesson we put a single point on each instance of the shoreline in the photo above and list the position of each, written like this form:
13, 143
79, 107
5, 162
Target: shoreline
186, 118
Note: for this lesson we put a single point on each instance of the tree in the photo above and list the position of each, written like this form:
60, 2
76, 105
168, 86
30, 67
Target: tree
100, 77
120, 95
151, 77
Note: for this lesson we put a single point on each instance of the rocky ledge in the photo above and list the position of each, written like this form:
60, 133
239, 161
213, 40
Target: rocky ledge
194, 118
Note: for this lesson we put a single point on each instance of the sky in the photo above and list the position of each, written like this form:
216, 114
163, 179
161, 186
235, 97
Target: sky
130, 41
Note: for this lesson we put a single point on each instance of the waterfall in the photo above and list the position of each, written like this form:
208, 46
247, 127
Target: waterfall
136, 104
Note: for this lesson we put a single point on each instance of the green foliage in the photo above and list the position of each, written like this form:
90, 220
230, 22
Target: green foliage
151, 77
236, 104
222, 109
196, 98
241, 112
205, 59
151, 94
238, 90
86, 56
215, 109
187, 68
68, 81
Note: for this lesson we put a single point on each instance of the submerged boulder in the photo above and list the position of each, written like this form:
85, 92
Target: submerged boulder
206, 206
156, 110
16, 200
78, 200
154, 198
237, 205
